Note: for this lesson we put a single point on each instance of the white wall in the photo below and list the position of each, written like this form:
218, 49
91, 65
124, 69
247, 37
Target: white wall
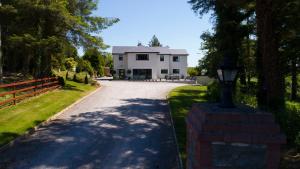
154, 63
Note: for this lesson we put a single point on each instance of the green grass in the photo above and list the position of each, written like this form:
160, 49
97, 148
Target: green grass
181, 100
16, 120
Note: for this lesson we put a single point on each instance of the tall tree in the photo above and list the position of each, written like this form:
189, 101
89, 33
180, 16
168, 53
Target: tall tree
57, 24
154, 42
269, 63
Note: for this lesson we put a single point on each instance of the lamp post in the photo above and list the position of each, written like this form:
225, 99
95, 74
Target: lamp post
227, 73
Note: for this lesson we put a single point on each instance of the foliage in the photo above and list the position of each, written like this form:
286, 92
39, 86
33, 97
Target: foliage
97, 61
70, 63
45, 40
109, 62
297, 141
86, 79
192, 72
211, 59
213, 92
75, 78
154, 42
16, 120
84, 66
62, 81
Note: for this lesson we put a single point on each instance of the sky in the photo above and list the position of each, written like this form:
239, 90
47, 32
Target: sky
172, 21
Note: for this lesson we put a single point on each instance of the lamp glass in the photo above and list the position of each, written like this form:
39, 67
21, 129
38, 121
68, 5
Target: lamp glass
220, 74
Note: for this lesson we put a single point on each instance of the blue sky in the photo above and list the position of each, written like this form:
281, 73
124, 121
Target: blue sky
172, 21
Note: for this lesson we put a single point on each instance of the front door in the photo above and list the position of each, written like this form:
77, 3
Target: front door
121, 73
141, 74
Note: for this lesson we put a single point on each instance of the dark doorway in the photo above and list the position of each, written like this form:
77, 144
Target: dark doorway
121, 73
141, 74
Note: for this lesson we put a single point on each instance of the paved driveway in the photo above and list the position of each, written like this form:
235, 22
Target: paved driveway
123, 125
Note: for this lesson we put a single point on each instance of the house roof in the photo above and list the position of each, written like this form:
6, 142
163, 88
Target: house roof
145, 49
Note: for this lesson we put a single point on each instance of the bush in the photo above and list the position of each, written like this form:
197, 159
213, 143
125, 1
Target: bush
75, 78
67, 75
213, 92
297, 141
94, 83
61, 81
101, 71
86, 79
84, 65
289, 122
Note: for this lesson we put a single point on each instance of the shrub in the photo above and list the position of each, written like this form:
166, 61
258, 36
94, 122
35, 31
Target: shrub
86, 79
84, 65
94, 83
67, 75
101, 71
297, 141
61, 81
75, 78
213, 92
289, 121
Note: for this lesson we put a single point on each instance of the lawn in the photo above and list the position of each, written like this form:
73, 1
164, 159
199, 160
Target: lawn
16, 120
181, 100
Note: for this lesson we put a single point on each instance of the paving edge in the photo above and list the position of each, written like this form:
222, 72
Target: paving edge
53, 117
175, 136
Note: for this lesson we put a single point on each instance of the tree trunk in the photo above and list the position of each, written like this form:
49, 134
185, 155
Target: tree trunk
294, 80
1, 57
271, 80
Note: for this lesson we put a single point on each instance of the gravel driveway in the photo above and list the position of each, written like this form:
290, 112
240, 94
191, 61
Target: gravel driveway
123, 125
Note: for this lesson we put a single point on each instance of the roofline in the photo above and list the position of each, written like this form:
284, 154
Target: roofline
155, 52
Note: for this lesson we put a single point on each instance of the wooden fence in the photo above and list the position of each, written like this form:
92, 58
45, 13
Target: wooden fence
11, 94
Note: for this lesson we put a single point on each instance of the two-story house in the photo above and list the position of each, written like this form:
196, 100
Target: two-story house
141, 62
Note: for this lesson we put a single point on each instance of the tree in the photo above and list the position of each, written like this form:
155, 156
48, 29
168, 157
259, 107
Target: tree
211, 60
70, 63
192, 72
45, 39
139, 44
271, 87
109, 61
94, 56
154, 42
84, 65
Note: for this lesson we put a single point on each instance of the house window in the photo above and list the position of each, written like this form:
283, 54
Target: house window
176, 71
120, 58
142, 57
175, 58
162, 58
164, 71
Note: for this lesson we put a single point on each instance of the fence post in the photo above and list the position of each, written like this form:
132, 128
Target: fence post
14, 95
34, 89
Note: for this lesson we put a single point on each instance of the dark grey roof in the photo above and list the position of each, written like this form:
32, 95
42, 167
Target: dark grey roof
145, 49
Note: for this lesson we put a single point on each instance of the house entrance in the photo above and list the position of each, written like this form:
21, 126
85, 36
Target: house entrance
121, 73
141, 74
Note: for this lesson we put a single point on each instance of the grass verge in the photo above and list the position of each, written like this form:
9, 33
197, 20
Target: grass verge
181, 100
16, 120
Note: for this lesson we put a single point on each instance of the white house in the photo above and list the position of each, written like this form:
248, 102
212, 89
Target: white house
141, 62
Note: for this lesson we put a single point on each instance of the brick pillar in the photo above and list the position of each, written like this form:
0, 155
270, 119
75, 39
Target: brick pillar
239, 138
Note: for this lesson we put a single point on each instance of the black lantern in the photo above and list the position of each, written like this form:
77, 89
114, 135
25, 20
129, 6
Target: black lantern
227, 75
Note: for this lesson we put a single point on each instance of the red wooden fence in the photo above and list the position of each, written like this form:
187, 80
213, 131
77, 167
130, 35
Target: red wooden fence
15, 92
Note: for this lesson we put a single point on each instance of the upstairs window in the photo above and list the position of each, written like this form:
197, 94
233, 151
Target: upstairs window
175, 58
176, 71
164, 71
120, 57
142, 57
162, 58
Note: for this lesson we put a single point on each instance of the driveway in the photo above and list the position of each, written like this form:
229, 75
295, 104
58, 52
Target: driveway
123, 125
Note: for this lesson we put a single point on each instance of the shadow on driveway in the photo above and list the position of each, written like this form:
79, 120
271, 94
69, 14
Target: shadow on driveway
136, 134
